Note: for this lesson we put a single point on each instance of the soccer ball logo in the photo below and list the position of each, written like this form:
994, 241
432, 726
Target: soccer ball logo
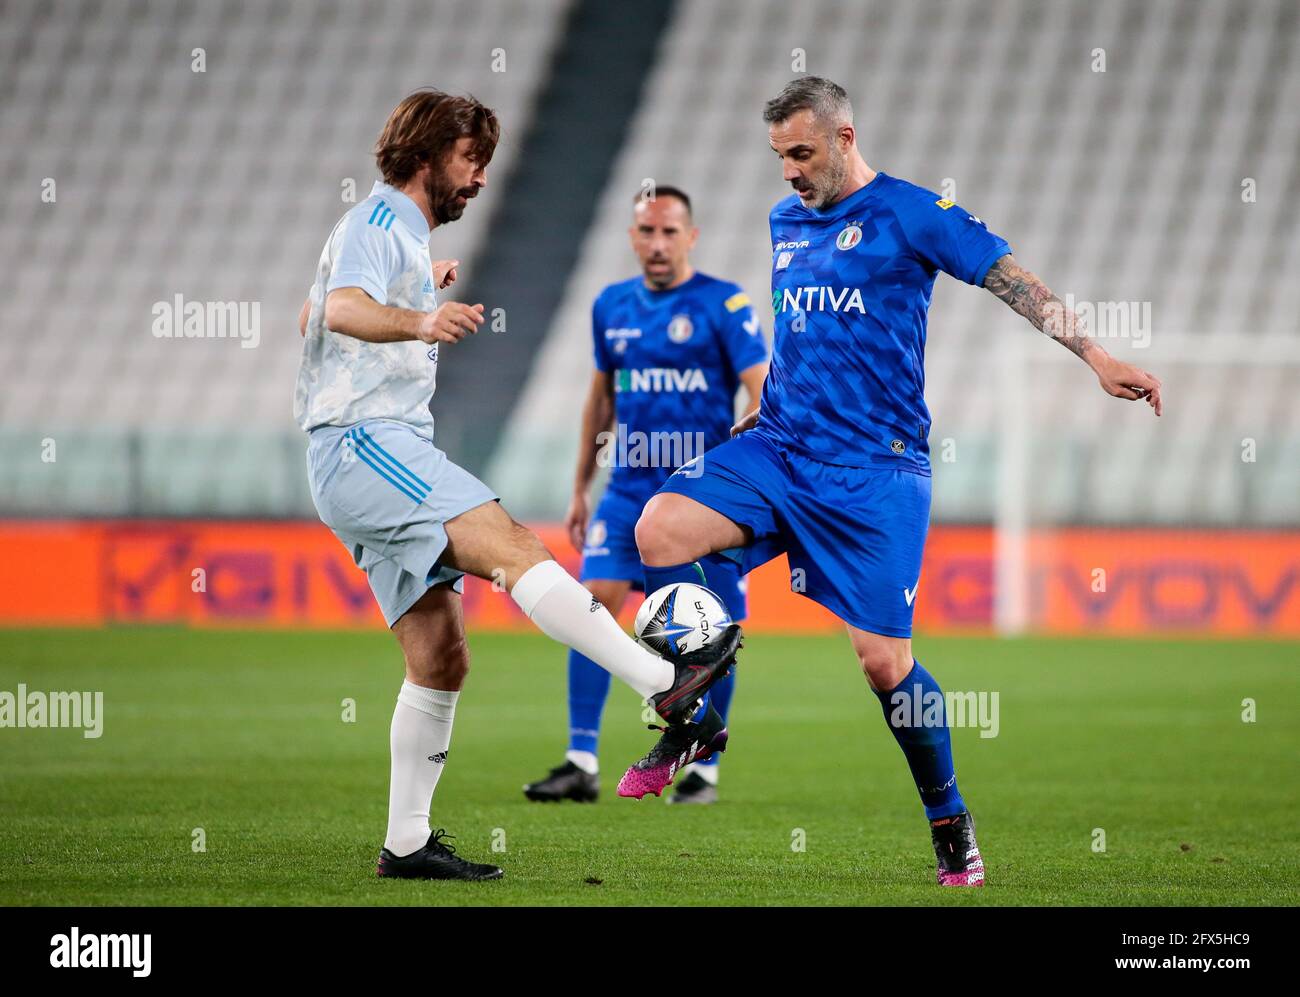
681, 618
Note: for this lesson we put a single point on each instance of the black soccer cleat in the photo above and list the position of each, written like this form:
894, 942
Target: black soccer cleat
959, 858
696, 672
695, 789
436, 860
568, 782
678, 746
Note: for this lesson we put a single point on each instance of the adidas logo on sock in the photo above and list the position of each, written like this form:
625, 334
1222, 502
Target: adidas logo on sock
439, 758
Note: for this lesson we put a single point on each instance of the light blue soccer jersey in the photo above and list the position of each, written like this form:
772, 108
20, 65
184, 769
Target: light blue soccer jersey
382, 247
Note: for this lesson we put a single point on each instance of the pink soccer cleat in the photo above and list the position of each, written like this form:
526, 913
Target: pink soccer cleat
959, 858
679, 745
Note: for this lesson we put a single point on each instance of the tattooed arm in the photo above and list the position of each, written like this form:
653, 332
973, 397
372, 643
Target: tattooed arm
1030, 297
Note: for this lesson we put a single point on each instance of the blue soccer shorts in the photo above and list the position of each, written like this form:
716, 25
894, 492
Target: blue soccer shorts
853, 535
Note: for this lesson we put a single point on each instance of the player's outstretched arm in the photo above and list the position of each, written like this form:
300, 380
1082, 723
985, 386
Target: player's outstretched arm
597, 418
352, 312
1030, 297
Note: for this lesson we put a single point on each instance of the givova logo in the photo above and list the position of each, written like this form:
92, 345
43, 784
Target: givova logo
818, 299
658, 379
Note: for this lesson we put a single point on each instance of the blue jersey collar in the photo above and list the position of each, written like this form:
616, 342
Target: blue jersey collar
651, 298
854, 200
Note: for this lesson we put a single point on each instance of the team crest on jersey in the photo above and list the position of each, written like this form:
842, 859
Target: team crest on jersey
897, 446
783, 260
680, 328
849, 237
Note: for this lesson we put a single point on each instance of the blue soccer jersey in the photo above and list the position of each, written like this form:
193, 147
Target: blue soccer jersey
675, 357
850, 288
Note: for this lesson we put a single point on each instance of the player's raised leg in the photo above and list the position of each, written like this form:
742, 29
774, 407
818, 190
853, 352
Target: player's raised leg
672, 534
697, 783
578, 778
487, 543
432, 636
913, 705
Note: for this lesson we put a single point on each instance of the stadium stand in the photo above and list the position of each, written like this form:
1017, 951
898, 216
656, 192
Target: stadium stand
1133, 193
218, 185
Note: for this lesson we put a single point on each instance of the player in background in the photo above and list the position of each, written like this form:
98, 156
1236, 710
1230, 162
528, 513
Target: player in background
833, 469
414, 521
671, 347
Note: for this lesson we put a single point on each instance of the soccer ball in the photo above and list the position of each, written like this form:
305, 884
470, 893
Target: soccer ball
680, 618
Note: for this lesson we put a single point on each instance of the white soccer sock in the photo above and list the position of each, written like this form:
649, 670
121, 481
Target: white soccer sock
418, 740
709, 773
566, 611
585, 760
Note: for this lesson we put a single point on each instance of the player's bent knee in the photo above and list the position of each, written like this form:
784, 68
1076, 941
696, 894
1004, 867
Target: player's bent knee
885, 664
530, 545
445, 667
660, 536
526, 550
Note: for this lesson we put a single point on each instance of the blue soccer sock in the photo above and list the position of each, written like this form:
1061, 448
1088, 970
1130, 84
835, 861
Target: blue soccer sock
588, 688
921, 731
657, 578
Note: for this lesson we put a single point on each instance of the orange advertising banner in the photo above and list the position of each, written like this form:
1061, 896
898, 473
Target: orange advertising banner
296, 574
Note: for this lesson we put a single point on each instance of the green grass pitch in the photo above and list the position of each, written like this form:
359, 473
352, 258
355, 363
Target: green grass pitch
241, 734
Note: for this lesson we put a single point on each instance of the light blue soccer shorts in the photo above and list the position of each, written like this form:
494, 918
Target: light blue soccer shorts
385, 491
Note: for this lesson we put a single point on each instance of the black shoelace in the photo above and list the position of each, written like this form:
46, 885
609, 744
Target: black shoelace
438, 843
958, 837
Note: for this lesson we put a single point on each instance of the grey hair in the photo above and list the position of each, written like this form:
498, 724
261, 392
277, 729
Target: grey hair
829, 102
